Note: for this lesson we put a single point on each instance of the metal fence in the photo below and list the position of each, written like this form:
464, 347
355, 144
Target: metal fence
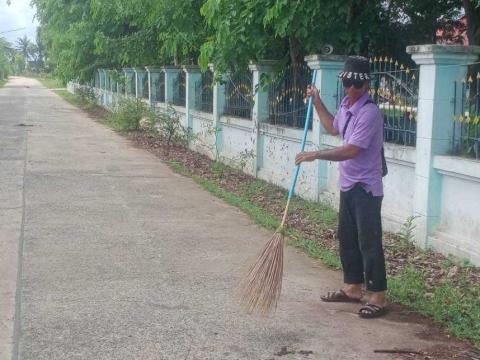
466, 119
394, 88
179, 89
145, 86
239, 96
287, 103
158, 94
130, 83
204, 93
121, 85
96, 80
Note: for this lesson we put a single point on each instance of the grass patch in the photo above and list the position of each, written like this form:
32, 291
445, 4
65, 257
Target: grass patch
259, 215
50, 82
72, 99
316, 212
456, 305
317, 251
3, 82
87, 105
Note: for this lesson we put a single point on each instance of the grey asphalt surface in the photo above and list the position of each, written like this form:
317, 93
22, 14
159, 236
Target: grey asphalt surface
107, 254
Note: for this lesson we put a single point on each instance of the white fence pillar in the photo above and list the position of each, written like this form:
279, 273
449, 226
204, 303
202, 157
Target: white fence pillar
328, 68
103, 86
130, 84
440, 66
193, 82
218, 108
140, 73
260, 107
152, 92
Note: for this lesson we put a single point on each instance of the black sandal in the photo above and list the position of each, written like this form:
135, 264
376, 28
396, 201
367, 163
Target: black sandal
370, 311
339, 296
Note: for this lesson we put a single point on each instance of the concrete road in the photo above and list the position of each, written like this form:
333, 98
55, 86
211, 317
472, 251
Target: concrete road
107, 254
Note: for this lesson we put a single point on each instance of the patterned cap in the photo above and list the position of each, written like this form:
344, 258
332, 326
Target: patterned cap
356, 68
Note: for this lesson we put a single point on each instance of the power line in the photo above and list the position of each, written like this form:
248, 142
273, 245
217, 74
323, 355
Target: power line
4, 32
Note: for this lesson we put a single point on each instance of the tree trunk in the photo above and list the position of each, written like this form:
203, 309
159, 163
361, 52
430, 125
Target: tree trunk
473, 18
294, 49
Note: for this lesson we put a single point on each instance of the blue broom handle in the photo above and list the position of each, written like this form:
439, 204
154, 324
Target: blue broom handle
304, 139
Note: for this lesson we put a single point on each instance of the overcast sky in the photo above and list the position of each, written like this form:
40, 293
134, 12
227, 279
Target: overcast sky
18, 15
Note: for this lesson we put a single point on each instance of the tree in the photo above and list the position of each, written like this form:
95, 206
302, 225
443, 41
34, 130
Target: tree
5, 58
82, 35
24, 46
40, 50
472, 13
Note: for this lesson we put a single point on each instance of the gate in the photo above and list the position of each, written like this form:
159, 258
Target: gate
466, 119
394, 88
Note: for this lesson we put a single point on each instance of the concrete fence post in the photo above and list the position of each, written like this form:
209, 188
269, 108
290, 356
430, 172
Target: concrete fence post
130, 83
440, 66
103, 87
153, 75
139, 75
125, 80
111, 85
193, 82
260, 111
327, 67
218, 108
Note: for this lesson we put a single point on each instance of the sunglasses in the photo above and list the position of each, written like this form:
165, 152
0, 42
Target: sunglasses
357, 84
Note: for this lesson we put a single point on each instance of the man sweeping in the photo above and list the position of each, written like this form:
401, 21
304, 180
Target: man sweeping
359, 122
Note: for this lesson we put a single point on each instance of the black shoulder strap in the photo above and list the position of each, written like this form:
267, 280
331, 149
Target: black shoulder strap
369, 101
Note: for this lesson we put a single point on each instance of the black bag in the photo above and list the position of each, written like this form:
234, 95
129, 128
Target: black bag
384, 161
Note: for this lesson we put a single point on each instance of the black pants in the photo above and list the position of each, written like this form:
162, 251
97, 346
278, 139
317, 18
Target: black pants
360, 235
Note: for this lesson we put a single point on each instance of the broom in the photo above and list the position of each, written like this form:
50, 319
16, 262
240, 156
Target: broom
260, 289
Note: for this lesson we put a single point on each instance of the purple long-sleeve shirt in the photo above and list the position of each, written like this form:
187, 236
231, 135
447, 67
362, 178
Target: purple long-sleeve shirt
365, 130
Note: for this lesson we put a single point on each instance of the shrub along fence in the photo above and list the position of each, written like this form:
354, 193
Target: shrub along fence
431, 172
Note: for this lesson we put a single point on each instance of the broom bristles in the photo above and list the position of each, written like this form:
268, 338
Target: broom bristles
260, 289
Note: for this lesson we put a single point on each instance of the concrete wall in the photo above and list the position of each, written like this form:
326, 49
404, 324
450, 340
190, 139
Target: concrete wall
203, 127
458, 231
278, 146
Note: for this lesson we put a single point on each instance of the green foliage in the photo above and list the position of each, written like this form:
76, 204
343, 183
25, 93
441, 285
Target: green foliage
24, 47
219, 169
171, 128
50, 82
456, 305
214, 148
288, 30
87, 95
128, 114
406, 234
316, 212
5, 67
81, 36
315, 250
72, 99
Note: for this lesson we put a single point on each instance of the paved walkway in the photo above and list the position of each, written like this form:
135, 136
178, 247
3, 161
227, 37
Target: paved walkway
107, 254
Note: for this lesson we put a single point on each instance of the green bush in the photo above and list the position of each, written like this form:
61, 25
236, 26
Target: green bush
128, 114
87, 95
171, 128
